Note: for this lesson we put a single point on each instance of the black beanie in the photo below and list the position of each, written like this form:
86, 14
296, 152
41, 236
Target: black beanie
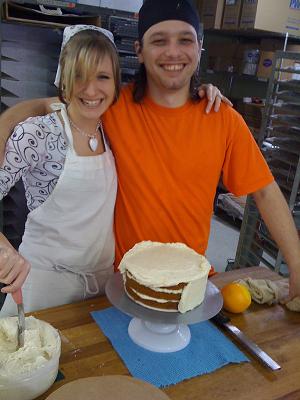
154, 11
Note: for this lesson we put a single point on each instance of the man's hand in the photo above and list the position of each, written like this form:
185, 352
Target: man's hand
21, 111
277, 216
214, 97
13, 269
294, 280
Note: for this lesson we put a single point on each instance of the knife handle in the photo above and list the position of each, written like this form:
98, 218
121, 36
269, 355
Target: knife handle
2, 295
2, 285
220, 319
17, 296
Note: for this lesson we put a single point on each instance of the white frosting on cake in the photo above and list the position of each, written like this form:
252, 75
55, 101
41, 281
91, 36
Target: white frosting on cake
157, 265
193, 294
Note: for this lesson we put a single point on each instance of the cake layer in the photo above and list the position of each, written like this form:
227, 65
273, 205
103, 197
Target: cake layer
157, 293
168, 305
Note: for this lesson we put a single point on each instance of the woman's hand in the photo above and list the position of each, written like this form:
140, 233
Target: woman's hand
214, 97
13, 268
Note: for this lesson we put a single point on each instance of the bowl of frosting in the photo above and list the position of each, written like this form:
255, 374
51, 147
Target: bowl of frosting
29, 371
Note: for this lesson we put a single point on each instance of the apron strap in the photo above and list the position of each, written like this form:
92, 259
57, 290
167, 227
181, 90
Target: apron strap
105, 140
89, 279
63, 110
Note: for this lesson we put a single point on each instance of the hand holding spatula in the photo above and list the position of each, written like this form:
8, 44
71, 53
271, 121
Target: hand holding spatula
18, 299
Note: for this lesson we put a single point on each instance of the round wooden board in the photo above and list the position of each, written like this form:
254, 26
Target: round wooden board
111, 387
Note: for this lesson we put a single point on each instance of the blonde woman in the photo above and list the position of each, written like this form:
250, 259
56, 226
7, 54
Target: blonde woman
70, 180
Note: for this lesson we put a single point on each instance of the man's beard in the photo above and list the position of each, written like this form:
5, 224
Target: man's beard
175, 85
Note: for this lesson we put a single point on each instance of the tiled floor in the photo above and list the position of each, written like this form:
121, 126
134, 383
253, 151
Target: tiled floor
222, 243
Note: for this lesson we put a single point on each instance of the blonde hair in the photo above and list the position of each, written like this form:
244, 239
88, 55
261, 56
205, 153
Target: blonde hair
81, 57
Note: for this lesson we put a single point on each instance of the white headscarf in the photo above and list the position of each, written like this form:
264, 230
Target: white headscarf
70, 31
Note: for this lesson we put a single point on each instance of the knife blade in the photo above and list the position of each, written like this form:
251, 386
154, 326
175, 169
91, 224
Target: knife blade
223, 321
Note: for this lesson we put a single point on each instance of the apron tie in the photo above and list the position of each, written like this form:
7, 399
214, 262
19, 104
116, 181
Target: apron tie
87, 277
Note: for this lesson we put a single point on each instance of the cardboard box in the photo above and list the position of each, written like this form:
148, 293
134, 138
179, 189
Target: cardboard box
128, 5
271, 15
217, 64
212, 13
268, 47
95, 3
240, 54
265, 65
267, 59
231, 16
294, 48
222, 56
271, 44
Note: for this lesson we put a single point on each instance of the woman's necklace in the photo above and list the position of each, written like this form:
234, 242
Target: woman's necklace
93, 140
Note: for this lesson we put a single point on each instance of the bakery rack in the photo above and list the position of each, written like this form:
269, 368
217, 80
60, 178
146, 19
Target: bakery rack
279, 140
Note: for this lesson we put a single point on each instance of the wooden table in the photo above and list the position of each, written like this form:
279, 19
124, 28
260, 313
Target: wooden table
86, 351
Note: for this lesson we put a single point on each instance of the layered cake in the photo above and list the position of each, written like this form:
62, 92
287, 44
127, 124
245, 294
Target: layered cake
165, 276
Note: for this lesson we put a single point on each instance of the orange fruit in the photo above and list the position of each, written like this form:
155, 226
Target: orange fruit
236, 297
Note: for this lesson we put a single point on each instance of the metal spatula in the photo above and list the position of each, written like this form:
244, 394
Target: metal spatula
18, 298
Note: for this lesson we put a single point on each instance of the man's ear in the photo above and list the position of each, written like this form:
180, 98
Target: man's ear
138, 50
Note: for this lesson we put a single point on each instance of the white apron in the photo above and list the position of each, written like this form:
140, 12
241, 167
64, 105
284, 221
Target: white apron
69, 239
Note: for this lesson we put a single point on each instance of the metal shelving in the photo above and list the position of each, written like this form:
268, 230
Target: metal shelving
280, 141
29, 57
125, 31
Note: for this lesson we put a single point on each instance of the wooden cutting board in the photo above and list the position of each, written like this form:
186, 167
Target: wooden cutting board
114, 387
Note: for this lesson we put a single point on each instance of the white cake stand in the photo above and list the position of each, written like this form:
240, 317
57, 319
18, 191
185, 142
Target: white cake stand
161, 331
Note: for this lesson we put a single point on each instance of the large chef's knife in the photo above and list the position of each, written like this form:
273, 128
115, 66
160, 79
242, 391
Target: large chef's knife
223, 321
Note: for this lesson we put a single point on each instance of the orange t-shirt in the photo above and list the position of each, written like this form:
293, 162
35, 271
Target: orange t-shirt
169, 162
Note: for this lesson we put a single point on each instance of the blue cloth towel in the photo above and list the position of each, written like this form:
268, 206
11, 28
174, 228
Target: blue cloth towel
208, 350
60, 376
